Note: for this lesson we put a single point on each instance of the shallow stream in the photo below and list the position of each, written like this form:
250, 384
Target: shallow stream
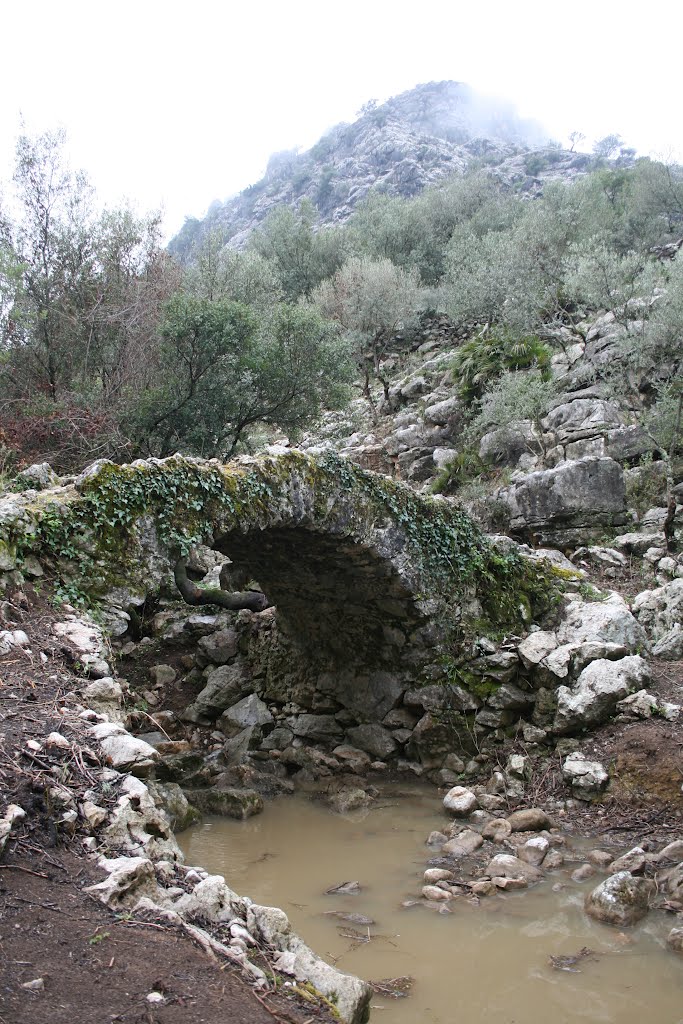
486, 963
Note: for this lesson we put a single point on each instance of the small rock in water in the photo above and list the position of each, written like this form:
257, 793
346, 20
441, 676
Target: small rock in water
509, 884
600, 858
463, 844
675, 940
436, 839
433, 892
344, 888
533, 851
433, 875
351, 918
622, 899
582, 873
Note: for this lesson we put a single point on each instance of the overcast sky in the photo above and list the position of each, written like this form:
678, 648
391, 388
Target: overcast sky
175, 105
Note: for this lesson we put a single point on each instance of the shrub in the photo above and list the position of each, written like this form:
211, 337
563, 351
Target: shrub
483, 359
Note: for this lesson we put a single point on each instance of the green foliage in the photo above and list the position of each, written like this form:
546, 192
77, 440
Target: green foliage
513, 397
480, 361
223, 370
300, 257
217, 273
463, 468
534, 163
371, 300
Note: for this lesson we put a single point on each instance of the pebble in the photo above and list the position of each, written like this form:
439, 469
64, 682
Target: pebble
37, 985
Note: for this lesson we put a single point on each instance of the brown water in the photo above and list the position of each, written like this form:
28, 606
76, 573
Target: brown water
486, 963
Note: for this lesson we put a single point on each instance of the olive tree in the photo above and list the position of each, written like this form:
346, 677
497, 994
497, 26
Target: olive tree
371, 300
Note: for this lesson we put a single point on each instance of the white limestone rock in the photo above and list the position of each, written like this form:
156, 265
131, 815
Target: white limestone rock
587, 778
601, 621
594, 696
460, 801
661, 609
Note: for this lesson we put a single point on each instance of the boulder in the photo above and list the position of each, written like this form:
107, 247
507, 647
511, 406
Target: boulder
620, 900
317, 728
533, 851
606, 621
435, 893
374, 739
434, 875
439, 413
349, 798
128, 878
224, 687
674, 940
587, 778
671, 853
250, 711
639, 543
497, 830
233, 803
596, 692
537, 646
582, 417
170, 797
569, 502
219, 647
350, 996
162, 675
39, 477
670, 644
633, 861
431, 742
355, 760
124, 752
644, 705
462, 845
372, 696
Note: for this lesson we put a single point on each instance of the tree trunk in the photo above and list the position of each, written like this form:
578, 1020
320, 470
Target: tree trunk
254, 600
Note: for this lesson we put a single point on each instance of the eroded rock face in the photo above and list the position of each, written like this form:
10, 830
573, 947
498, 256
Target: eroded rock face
568, 503
620, 900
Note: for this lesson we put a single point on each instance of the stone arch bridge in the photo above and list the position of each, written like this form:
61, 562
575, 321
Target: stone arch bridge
376, 589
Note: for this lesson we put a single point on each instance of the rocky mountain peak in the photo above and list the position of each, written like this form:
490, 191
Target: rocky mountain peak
397, 148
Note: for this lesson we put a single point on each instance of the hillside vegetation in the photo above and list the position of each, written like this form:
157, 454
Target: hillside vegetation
111, 346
